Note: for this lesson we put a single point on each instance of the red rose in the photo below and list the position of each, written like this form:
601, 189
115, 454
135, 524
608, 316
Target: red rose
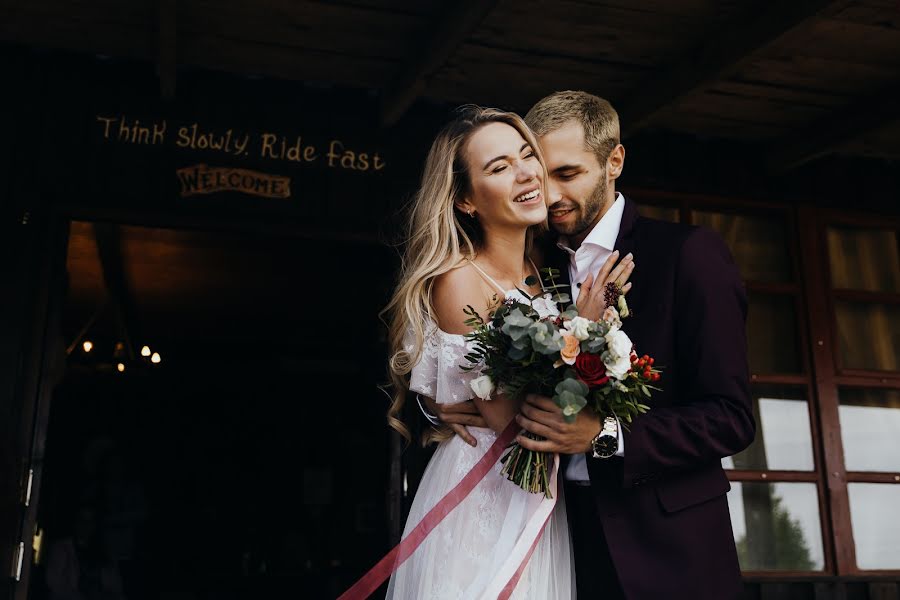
590, 369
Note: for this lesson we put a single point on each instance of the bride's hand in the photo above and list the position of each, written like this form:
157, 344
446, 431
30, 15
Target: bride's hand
457, 417
591, 302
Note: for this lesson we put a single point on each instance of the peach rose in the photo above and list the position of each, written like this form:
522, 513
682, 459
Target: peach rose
571, 350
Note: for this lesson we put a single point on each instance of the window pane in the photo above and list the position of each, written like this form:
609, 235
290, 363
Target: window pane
870, 429
662, 213
783, 440
876, 524
864, 259
759, 244
776, 526
772, 335
868, 335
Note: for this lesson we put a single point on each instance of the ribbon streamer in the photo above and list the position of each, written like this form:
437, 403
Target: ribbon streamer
509, 574
385, 567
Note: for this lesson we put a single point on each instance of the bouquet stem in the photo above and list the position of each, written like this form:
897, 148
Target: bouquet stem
528, 469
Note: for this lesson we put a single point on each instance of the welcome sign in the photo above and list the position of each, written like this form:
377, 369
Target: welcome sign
202, 179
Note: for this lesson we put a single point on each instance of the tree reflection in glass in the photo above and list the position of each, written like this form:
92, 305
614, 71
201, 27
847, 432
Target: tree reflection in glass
776, 526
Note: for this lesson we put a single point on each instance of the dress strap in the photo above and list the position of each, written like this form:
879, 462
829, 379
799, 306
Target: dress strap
486, 276
538, 273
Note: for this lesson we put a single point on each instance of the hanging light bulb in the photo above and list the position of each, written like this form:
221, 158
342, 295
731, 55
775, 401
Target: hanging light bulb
145, 351
121, 367
156, 358
88, 345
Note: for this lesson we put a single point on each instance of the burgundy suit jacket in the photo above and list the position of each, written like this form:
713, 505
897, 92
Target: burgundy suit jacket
663, 506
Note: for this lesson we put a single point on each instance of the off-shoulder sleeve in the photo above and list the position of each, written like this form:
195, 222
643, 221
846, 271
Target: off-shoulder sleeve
439, 374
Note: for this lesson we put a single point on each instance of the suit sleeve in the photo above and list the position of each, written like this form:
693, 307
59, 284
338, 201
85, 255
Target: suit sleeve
711, 416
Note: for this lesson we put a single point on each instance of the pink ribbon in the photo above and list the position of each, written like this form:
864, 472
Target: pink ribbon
525, 545
385, 567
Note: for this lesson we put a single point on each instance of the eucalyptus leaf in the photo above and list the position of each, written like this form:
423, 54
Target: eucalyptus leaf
572, 385
517, 353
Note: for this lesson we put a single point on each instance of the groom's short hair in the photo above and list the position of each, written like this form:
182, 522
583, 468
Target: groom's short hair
597, 116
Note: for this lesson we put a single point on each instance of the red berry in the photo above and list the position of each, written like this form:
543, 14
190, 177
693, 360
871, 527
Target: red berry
652, 361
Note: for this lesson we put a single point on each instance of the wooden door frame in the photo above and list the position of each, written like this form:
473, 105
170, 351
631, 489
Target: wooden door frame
42, 247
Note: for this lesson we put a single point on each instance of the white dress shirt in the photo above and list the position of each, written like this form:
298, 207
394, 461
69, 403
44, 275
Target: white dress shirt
589, 258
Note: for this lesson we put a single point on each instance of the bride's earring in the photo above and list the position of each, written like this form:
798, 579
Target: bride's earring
471, 213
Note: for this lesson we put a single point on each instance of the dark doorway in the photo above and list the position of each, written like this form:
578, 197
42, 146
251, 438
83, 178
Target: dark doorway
244, 452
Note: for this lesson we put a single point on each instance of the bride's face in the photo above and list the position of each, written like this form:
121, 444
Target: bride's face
506, 179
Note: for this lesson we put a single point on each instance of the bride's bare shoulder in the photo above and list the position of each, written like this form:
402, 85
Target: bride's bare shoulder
452, 292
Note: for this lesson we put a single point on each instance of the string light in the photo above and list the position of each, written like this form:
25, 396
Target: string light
145, 351
88, 346
156, 358
121, 367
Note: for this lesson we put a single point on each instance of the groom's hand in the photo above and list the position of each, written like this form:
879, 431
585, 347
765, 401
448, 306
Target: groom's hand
458, 416
541, 416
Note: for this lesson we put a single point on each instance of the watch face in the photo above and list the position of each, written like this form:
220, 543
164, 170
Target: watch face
606, 445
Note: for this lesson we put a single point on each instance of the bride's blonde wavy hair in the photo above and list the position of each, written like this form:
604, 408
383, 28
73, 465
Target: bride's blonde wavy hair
438, 236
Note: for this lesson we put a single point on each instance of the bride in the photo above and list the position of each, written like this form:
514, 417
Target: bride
471, 227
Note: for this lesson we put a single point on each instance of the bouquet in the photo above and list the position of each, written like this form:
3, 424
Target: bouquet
539, 344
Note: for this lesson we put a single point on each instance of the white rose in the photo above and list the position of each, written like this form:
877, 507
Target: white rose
619, 344
545, 306
578, 328
619, 367
482, 386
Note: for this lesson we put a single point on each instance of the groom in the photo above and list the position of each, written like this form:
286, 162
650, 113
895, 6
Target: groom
647, 506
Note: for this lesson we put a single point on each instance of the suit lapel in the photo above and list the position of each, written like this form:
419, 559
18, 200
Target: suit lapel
627, 242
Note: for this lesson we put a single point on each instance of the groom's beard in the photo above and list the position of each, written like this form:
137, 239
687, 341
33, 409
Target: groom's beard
587, 216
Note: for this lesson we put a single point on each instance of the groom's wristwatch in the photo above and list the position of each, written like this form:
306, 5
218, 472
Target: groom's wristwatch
606, 444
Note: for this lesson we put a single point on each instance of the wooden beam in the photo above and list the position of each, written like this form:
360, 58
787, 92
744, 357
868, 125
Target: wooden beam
828, 134
719, 57
167, 65
109, 249
449, 31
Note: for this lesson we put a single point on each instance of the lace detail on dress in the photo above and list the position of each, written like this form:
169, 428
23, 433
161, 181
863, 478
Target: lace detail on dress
439, 374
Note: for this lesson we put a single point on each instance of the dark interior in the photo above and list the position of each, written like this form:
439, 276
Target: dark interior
233, 468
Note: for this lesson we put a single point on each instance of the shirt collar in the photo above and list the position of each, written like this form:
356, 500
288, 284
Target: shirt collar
605, 232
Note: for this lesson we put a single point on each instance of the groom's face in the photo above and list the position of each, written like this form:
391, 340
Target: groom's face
578, 187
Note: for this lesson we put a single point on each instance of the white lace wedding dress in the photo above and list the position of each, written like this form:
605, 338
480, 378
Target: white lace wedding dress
464, 553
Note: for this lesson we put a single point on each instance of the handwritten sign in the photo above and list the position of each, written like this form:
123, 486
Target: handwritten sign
265, 145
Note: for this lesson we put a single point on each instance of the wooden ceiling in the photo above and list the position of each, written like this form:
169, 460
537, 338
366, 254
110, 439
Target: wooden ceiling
168, 287
801, 78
